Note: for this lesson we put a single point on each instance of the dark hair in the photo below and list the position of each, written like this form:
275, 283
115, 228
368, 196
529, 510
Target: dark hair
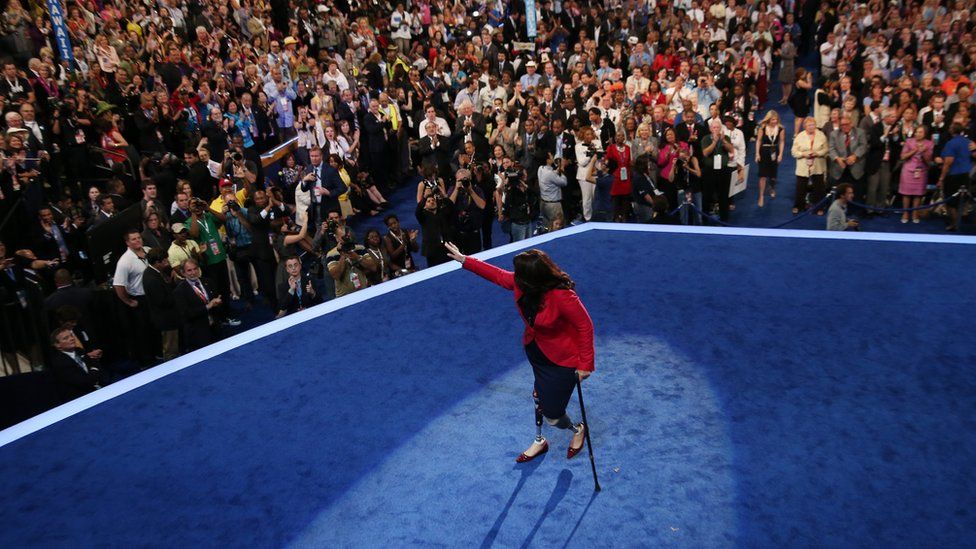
535, 275
156, 255
843, 188
57, 332
386, 220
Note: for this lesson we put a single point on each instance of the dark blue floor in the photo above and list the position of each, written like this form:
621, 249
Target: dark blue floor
755, 392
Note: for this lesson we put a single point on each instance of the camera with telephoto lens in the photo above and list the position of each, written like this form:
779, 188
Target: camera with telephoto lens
512, 174
592, 150
347, 244
234, 206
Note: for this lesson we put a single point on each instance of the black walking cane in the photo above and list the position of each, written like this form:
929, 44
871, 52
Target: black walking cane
579, 391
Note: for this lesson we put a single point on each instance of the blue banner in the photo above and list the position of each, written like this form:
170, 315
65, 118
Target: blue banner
529, 18
59, 29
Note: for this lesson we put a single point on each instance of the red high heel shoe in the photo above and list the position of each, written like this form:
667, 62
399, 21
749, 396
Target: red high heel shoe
571, 452
523, 458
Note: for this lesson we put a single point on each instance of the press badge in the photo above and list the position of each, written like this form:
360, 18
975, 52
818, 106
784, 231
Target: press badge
717, 162
214, 249
623, 173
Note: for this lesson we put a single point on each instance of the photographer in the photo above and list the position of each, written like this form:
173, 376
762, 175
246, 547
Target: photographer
239, 241
203, 228
241, 171
435, 213
348, 264
469, 205
552, 180
483, 178
520, 203
400, 245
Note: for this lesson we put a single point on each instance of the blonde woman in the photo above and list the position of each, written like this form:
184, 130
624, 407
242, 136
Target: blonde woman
770, 140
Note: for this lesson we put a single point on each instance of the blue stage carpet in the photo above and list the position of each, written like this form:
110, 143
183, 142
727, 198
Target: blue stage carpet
754, 392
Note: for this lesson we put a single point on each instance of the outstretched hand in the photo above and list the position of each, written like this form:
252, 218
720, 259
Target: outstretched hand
454, 253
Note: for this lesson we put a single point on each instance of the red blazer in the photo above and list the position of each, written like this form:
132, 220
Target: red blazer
562, 330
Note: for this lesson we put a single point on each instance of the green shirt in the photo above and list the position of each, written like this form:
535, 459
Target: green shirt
210, 239
719, 151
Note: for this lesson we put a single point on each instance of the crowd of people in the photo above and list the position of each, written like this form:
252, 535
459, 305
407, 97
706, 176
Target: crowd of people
614, 111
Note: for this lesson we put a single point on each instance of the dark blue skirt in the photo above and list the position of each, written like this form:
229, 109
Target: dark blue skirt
554, 384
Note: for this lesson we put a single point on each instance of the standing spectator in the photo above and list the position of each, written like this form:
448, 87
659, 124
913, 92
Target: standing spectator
587, 149
155, 234
552, 180
848, 149
400, 245
717, 150
787, 56
373, 243
770, 141
618, 155
436, 217
469, 206
159, 283
203, 228
810, 150
265, 209
349, 264
129, 289
195, 299
957, 163
296, 292
917, 154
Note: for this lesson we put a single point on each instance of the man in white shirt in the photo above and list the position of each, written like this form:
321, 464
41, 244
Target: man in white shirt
828, 54
430, 115
128, 287
334, 75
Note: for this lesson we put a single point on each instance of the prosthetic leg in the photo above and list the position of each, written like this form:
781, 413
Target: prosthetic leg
539, 439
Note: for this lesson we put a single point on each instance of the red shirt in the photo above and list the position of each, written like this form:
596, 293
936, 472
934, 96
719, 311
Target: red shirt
562, 330
621, 175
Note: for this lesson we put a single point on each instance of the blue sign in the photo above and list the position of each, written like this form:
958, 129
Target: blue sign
530, 18
59, 29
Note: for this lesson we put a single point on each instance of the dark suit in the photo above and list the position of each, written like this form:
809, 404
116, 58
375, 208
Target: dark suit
377, 134
328, 178
290, 302
345, 112
435, 155
74, 297
196, 321
148, 130
162, 305
684, 133
71, 376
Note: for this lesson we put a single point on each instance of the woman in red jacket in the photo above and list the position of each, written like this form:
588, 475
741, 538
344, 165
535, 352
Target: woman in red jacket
618, 155
558, 337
